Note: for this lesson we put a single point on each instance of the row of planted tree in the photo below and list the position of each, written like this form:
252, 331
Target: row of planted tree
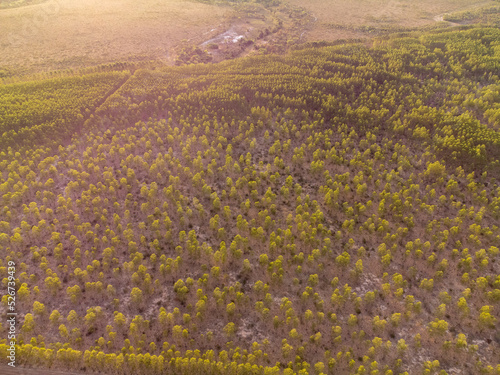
330, 211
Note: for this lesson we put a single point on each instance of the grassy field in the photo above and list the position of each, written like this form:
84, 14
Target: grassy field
67, 33
62, 34
18, 3
339, 19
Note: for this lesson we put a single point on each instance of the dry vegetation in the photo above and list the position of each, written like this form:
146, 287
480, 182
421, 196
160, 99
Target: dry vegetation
5, 4
339, 19
65, 33
61, 34
332, 211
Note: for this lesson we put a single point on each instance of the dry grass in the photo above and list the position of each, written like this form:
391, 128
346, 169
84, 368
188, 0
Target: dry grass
60, 34
375, 13
7, 370
70, 33
18, 3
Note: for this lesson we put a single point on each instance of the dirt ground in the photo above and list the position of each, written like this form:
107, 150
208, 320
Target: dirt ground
61, 34
332, 16
8, 370
64, 33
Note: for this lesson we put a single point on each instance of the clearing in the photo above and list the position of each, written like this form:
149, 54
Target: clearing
340, 19
61, 34
67, 34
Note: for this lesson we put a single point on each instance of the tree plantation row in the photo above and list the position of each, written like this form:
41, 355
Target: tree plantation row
331, 211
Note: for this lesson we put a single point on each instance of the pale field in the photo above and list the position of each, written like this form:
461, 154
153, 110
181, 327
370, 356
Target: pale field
406, 13
74, 33
60, 34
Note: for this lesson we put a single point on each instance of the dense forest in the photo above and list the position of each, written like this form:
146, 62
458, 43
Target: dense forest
334, 210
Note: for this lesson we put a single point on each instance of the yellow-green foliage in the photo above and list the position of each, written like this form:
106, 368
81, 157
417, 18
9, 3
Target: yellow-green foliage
332, 211
50, 111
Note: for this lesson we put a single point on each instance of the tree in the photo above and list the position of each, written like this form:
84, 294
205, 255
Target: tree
486, 319
53, 284
39, 308
29, 324
231, 309
24, 292
230, 329
119, 320
136, 296
438, 327
181, 290
379, 324
55, 317
63, 331
435, 170
461, 341
72, 317
74, 293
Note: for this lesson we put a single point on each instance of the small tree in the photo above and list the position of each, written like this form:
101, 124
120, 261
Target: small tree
486, 320
136, 296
